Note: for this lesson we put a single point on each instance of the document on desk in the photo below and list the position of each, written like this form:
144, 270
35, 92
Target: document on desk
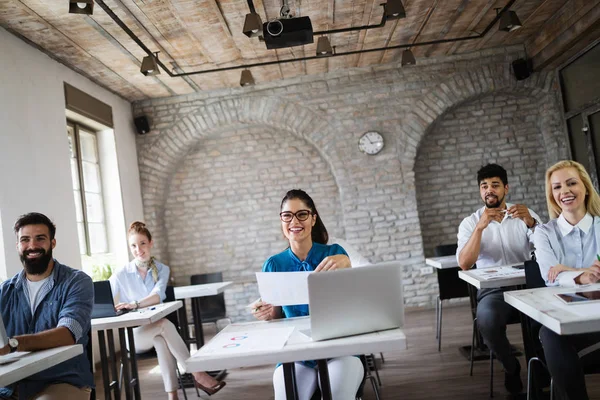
227, 342
283, 288
498, 273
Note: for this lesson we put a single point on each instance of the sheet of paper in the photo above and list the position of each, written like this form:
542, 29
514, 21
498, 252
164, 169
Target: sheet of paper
283, 288
245, 342
498, 273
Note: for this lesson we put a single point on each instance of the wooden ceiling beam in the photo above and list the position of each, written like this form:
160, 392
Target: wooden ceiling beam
448, 26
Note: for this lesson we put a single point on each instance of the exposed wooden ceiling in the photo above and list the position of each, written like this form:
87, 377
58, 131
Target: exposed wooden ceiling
205, 34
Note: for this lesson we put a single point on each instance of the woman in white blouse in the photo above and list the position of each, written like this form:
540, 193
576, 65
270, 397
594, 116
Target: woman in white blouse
142, 283
567, 250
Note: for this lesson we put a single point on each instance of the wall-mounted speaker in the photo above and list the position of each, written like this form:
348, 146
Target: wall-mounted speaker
522, 68
141, 125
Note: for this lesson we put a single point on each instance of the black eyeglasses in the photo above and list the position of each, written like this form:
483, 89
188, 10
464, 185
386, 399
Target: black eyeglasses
301, 215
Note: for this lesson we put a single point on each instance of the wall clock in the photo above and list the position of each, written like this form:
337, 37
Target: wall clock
370, 143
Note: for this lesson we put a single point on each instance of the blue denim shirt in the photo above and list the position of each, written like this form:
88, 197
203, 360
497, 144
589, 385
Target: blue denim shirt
67, 301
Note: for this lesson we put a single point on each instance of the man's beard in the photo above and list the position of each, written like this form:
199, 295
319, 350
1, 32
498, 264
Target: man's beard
36, 266
495, 205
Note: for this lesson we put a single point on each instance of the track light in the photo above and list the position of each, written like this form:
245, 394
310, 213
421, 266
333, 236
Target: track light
253, 26
408, 58
150, 66
81, 7
509, 21
246, 79
393, 9
324, 47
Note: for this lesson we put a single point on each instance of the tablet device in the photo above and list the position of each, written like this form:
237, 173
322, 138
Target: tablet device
579, 297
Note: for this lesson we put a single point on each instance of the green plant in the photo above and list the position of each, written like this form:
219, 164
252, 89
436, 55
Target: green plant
101, 273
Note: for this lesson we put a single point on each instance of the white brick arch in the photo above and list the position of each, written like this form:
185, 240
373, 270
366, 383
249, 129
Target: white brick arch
160, 157
465, 86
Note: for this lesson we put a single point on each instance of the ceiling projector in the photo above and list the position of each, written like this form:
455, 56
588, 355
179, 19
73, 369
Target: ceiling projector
287, 32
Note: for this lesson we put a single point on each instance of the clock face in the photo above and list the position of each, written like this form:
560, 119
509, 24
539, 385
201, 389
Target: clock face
371, 143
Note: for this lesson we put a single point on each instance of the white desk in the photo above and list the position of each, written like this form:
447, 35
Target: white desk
125, 322
442, 262
541, 305
35, 362
298, 347
207, 289
485, 278
195, 292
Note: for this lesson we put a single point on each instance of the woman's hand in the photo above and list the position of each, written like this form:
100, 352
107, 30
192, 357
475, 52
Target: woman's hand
265, 311
590, 275
125, 306
330, 263
557, 269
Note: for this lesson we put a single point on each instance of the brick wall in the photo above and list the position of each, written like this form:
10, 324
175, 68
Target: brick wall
213, 152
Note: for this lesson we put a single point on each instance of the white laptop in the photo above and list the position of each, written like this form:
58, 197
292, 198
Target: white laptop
355, 300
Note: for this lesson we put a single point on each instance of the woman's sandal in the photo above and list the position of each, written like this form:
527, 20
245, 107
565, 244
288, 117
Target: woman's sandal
210, 390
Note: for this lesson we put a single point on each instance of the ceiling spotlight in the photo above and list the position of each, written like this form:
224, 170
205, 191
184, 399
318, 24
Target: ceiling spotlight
81, 7
324, 47
393, 9
509, 21
246, 79
408, 58
252, 25
150, 66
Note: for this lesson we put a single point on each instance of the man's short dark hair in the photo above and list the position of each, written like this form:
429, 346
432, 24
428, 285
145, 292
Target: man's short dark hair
35, 218
492, 171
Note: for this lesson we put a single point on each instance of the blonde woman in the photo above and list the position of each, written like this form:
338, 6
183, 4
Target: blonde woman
566, 250
142, 283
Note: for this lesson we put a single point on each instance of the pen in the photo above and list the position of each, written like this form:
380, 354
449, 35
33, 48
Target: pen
598, 257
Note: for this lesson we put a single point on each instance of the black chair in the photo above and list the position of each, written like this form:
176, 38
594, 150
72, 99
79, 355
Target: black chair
212, 308
450, 287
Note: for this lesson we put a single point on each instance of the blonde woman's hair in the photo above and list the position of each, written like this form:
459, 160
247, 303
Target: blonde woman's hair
592, 200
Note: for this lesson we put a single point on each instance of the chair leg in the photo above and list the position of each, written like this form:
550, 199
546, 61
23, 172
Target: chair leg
473, 345
375, 388
371, 362
181, 383
382, 359
437, 317
439, 324
491, 374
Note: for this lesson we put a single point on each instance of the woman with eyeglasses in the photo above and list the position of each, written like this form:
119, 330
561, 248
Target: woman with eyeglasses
308, 251
143, 283
566, 250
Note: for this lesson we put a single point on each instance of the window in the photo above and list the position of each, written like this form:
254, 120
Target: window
87, 190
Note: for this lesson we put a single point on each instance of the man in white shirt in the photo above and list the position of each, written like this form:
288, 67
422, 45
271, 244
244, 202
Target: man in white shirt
497, 234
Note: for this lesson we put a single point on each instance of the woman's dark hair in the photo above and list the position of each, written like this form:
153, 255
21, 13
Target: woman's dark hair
35, 218
139, 227
319, 232
492, 171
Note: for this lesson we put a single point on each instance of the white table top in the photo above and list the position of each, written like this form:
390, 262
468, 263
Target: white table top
442, 262
136, 318
564, 319
207, 289
35, 362
486, 278
298, 347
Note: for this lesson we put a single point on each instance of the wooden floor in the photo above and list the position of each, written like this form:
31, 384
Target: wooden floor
418, 373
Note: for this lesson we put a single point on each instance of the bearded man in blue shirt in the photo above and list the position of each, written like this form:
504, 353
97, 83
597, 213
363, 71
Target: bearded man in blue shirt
44, 306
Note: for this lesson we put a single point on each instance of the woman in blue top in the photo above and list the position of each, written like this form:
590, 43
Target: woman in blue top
308, 251
566, 250
142, 283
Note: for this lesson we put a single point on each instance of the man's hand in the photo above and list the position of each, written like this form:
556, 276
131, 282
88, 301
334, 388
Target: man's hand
330, 263
489, 215
522, 212
4, 350
591, 275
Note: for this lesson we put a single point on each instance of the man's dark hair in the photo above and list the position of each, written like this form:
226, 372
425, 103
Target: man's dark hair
492, 171
35, 218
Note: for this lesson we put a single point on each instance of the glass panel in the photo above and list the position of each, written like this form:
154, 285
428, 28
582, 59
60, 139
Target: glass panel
594, 122
81, 235
91, 177
71, 136
94, 208
74, 174
578, 140
581, 80
97, 238
78, 206
88, 146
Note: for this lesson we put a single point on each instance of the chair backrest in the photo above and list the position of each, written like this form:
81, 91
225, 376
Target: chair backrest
533, 276
212, 308
450, 285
